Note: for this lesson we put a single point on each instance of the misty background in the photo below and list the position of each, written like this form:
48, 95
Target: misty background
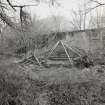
64, 15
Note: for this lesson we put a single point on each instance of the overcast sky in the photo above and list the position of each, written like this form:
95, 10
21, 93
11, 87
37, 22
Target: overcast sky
43, 10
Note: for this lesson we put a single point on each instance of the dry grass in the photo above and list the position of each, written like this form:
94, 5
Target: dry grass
54, 86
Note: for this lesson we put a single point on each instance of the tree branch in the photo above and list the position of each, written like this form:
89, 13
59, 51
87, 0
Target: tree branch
4, 17
6, 20
98, 5
96, 2
24, 5
11, 5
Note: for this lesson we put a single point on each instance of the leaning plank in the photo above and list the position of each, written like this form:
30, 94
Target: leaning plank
67, 53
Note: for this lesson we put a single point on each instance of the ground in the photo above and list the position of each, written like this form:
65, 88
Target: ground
33, 85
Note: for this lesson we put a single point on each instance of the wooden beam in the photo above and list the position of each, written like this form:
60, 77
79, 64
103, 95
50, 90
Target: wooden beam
71, 61
74, 51
53, 48
37, 59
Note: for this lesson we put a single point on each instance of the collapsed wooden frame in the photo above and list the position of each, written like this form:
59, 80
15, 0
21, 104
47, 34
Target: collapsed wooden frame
52, 50
63, 45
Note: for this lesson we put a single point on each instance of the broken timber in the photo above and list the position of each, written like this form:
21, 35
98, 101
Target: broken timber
31, 60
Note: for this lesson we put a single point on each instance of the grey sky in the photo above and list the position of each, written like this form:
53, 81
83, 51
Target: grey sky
43, 9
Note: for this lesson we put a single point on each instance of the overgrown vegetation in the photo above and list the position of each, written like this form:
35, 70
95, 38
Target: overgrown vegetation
16, 88
19, 86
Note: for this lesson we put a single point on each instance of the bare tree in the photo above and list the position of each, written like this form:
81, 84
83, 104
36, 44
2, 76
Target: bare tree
77, 20
79, 17
4, 16
97, 4
97, 21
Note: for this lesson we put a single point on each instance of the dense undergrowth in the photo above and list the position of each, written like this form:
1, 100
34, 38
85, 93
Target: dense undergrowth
16, 88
